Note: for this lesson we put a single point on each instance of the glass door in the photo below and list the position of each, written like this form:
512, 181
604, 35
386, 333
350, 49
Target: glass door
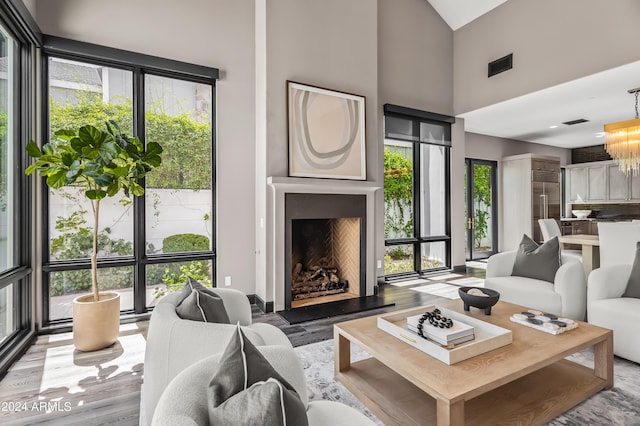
481, 209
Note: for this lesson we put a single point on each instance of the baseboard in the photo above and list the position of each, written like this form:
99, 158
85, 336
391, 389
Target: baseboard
252, 298
265, 307
460, 268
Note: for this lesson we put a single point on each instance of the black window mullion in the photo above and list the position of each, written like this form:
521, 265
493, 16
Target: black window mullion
447, 202
417, 197
139, 231
214, 282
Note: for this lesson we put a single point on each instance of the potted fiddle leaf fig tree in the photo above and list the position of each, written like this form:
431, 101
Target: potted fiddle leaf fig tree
103, 163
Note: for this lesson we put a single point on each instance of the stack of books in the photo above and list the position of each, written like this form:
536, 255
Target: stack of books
459, 333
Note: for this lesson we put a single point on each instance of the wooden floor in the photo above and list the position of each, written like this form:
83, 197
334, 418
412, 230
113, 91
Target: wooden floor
53, 384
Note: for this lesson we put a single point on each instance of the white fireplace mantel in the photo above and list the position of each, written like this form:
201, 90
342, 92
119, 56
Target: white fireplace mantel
321, 186
284, 185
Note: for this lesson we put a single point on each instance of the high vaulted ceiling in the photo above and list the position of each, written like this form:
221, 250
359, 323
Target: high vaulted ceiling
458, 13
537, 117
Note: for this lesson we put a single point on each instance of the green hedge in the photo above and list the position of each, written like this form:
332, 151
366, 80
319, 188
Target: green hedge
179, 243
187, 144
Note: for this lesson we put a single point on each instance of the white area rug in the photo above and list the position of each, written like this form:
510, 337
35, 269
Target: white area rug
408, 282
468, 282
477, 264
619, 406
443, 290
443, 277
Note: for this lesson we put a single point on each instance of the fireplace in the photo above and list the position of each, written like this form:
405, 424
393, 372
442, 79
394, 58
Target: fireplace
325, 241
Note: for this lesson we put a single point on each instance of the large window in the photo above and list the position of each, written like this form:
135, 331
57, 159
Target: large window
147, 245
416, 191
16, 100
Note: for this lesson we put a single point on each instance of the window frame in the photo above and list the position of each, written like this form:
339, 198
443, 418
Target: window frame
140, 65
17, 22
417, 117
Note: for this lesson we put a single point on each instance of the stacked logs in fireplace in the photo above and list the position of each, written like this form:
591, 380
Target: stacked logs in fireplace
316, 281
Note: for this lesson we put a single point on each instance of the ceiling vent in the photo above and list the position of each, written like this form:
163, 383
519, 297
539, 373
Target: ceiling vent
578, 121
500, 65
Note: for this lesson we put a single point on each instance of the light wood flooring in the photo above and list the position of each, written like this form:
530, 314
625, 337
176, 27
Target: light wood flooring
53, 384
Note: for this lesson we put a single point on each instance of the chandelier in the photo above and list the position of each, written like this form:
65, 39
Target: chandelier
622, 141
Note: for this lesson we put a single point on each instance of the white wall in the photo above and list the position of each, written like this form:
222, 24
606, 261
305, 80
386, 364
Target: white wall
552, 42
215, 33
492, 148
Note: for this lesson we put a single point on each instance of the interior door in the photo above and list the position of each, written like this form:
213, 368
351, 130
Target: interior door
481, 209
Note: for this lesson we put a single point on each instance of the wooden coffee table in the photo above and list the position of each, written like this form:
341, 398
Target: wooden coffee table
526, 382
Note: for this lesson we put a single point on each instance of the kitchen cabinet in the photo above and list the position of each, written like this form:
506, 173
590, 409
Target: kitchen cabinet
577, 183
600, 182
596, 188
620, 186
617, 183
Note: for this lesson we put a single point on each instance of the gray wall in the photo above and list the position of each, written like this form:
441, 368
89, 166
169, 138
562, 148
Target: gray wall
388, 51
415, 62
326, 44
215, 33
552, 42
415, 69
31, 6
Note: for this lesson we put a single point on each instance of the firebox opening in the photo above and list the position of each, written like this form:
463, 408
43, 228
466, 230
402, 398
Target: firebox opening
325, 260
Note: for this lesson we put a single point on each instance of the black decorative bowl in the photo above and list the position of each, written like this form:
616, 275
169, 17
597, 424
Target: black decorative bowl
480, 302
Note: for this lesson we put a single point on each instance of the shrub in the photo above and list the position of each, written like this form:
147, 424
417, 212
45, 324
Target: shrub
76, 242
184, 140
179, 243
175, 275
398, 194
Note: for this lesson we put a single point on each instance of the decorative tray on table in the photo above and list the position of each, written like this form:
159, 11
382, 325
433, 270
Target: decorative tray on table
549, 323
487, 336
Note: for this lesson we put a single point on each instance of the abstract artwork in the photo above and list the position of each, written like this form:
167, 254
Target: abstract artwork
326, 133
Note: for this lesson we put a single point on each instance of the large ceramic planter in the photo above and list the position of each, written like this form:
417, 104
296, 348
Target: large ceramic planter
96, 324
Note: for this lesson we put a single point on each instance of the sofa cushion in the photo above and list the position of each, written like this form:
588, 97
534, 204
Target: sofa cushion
246, 389
535, 261
633, 285
198, 303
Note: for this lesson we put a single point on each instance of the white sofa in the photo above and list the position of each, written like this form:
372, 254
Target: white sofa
605, 305
185, 400
565, 297
174, 344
